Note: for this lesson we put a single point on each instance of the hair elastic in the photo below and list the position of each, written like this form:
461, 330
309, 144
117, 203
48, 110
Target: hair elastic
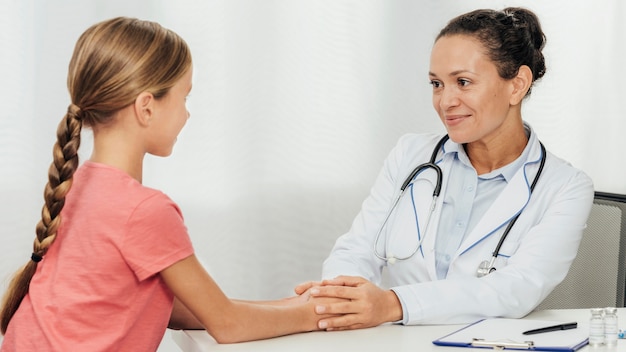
36, 258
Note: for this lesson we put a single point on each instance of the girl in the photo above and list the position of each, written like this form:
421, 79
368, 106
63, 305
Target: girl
112, 262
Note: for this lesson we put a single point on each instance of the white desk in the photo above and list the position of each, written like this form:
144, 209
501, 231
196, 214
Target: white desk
394, 338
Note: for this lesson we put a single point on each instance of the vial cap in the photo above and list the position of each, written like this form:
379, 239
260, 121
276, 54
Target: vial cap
610, 310
597, 310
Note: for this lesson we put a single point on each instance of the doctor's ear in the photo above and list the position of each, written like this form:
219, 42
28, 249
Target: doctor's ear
521, 84
144, 108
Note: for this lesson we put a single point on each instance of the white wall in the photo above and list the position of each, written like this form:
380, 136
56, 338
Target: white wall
294, 107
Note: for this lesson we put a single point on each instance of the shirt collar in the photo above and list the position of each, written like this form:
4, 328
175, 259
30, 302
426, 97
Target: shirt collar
507, 171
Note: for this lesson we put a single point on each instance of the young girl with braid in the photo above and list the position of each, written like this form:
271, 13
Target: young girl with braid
112, 262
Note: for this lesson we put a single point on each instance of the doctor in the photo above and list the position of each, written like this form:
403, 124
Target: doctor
483, 64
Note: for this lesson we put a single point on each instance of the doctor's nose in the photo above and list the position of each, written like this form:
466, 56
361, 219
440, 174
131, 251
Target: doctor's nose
448, 98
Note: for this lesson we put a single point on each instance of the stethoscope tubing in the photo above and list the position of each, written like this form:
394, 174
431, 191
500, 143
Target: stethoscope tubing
485, 267
431, 164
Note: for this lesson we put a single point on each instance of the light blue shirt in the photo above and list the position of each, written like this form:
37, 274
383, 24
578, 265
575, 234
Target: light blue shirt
466, 201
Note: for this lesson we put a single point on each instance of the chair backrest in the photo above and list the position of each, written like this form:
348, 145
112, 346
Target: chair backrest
597, 277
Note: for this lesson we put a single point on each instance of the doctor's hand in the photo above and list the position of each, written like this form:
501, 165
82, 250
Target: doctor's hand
304, 287
365, 304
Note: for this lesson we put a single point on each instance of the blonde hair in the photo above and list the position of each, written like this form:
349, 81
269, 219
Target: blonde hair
113, 62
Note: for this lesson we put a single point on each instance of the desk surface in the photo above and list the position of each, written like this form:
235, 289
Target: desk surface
395, 338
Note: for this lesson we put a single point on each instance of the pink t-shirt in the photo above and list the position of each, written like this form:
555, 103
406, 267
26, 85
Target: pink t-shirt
98, 288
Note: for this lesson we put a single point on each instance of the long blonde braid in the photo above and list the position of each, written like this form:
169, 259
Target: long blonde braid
60, 173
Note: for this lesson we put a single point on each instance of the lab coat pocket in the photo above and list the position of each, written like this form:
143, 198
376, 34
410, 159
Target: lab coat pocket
507, 250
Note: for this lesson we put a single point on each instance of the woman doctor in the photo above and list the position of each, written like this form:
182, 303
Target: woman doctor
439, 263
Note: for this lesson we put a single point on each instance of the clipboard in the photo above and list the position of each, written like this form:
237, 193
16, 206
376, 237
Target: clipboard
506, 334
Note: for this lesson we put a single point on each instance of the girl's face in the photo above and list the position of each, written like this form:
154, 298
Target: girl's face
472, 100
170, 116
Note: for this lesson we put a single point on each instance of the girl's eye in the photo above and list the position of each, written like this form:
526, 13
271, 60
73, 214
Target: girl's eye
435, 84
463, 82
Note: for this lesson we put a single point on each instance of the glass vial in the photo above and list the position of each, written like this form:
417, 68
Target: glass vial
610, 326
596, 327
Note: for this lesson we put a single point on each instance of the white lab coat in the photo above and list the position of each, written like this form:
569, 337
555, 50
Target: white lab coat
534, 258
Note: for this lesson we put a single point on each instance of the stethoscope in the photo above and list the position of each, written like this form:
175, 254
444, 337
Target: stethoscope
486, 266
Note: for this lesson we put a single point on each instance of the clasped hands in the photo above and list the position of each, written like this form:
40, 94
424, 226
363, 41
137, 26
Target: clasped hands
357, 303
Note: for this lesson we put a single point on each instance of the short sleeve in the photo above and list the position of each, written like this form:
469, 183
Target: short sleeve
156, 237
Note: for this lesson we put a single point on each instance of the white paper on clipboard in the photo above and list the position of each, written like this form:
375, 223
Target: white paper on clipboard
507, 333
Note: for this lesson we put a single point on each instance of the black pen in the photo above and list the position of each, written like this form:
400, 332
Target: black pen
558, 327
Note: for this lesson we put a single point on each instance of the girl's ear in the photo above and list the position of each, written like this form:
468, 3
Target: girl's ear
521, 84
144, 108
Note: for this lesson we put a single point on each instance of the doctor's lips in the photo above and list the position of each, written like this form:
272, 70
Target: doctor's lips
456, 116
453, 119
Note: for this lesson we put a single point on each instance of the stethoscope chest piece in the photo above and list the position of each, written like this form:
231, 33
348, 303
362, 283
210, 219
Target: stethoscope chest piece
486, 267
391, 259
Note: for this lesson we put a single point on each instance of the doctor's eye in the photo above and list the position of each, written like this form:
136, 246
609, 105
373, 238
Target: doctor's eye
463, 82
436, 84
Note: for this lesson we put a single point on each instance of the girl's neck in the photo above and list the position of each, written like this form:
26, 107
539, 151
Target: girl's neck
118, 144
120, 161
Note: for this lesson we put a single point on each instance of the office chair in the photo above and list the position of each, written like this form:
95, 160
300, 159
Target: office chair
597, 277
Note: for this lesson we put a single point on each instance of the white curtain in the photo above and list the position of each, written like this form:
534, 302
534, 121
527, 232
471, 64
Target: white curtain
295, 105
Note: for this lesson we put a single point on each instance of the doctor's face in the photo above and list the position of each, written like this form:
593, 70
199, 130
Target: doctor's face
469, 95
